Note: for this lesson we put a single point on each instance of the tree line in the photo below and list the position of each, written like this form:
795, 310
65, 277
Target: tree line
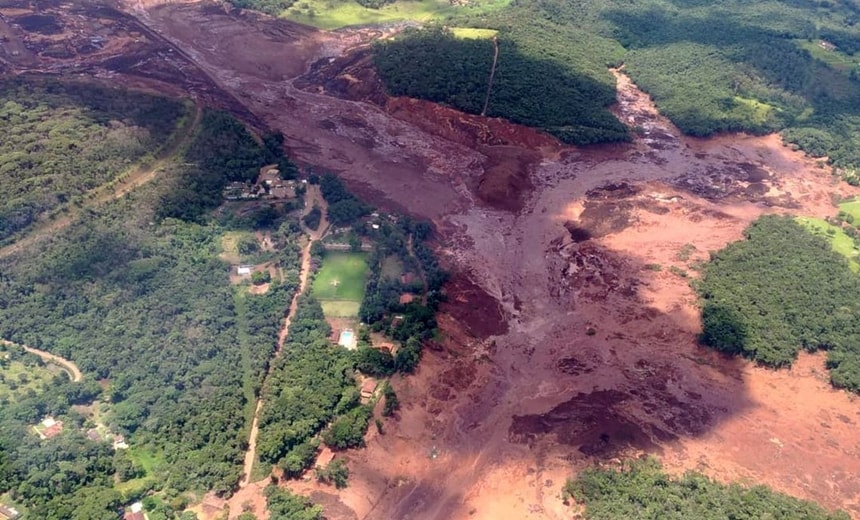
641, 489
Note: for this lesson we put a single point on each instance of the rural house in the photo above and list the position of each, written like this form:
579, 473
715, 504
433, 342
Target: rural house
8, 512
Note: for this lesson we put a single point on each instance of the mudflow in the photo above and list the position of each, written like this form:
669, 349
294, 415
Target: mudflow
562, 345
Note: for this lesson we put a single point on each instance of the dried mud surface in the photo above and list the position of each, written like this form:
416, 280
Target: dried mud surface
562, 345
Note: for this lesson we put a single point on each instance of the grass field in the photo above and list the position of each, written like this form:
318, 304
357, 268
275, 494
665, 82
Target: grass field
334, 14
469, 33
852, 207
340, 308
841, 242
230, 245
392, 268
341, 277
339, 284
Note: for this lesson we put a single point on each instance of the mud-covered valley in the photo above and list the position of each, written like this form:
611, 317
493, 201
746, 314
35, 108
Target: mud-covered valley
562, 345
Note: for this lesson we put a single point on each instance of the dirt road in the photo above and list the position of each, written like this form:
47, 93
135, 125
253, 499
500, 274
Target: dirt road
113, 190
69, 367
312, 197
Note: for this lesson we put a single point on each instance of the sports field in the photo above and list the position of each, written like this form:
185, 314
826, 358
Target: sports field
339, 284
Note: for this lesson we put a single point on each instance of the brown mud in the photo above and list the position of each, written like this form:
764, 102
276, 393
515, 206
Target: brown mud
569, 334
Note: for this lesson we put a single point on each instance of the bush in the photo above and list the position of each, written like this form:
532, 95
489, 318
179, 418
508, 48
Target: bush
392, 403
261, 277
335, 473
313, 218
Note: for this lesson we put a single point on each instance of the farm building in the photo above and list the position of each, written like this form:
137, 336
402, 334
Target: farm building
134, 512
8, 512
49, 428
368, 387
269, 175
281, 191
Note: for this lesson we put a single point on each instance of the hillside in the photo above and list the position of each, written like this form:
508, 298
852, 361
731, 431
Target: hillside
755, 67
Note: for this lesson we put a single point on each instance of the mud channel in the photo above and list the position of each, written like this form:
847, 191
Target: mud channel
562, 344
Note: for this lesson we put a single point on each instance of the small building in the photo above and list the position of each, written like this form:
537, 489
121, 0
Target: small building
243, 270
134, 512
269, 175
8, 512
49, 428
119, 443
368, 387
406, 298
94, 435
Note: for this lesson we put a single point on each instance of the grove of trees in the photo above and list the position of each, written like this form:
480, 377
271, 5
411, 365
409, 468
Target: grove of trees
779, 291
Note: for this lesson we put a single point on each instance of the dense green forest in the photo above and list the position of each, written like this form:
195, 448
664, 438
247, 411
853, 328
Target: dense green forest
759, 67
527, 89
62, 139
141, 302
779, 291
642, 490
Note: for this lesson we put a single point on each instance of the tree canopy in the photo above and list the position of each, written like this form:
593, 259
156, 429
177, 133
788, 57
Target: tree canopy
640, 489
779, 291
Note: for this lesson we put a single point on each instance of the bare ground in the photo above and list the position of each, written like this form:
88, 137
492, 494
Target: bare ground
560, 346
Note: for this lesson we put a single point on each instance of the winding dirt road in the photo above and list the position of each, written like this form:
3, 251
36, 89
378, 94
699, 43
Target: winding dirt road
68, 366
312, 197
113, 190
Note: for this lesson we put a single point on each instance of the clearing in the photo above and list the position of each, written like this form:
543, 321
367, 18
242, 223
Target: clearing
839, 240
335, 14
19, 376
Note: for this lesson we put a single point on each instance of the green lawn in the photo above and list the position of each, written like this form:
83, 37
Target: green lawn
334, 14
341, 277
841, 242
151, 464
852, 207
469, 33
340, 308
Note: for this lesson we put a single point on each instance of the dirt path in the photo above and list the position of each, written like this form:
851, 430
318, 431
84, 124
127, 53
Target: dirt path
68, 366
492, 75
113, 190
312, 197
